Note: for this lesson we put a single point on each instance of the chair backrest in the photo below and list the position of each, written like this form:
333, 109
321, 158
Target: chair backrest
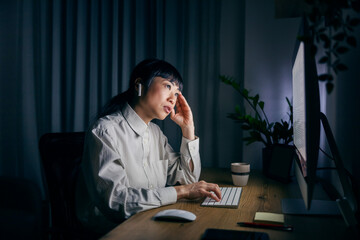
61, 157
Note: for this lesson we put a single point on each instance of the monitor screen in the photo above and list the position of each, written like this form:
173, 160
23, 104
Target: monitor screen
306, 115
299, 118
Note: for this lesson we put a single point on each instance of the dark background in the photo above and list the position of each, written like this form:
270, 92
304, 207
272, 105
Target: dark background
60, 61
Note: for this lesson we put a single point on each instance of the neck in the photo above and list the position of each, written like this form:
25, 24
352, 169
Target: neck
136, 106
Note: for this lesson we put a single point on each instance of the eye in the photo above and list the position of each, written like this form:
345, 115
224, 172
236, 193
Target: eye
176, 94
168, 86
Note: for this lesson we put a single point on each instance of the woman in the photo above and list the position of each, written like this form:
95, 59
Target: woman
128, 164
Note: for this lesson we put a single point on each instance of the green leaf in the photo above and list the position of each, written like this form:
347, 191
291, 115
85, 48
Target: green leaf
329, 87
342, 50
288, 101
354, 22
341, 67
235, 85
313, 50
324, 59
245, 93
339, 37
351, 41
327, 44
356, 6
256, 99
323, 77
255, 135
351, 29
248, 117
224, 79
261, 105
324, 37
336, 23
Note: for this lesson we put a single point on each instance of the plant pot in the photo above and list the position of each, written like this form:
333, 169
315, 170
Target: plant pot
277, 161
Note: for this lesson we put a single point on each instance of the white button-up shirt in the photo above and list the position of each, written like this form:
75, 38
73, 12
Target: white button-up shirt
129, 166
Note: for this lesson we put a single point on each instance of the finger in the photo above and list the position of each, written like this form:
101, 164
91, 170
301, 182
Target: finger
185, 107
211, 195
182, 101
215, 189
178, 106
172, 114
217, 192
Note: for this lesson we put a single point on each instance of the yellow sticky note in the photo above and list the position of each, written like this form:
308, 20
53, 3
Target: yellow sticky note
269, 217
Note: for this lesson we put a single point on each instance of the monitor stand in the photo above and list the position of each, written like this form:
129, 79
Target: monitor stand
345, 206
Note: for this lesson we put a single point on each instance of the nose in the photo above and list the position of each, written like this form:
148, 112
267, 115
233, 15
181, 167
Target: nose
172, 98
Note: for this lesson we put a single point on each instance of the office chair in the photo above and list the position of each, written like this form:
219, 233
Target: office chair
21, 215
61, 157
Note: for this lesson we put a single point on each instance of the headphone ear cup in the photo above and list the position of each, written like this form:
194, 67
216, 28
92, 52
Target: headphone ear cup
139, 94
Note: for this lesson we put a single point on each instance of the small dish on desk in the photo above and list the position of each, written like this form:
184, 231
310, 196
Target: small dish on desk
177, 215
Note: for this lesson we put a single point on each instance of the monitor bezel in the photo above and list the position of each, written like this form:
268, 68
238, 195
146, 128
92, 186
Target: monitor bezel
307, 178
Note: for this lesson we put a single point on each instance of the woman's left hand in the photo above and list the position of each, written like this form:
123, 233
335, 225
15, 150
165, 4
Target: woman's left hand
184, 117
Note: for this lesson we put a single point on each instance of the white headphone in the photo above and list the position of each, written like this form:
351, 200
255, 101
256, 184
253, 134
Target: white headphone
139, 94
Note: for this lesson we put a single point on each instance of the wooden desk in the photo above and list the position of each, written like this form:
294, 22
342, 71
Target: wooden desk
261, 194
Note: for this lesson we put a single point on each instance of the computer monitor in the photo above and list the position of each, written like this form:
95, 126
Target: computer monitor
307, 119
306, 116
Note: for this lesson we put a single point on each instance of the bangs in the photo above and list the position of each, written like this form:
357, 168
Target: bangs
171, 78
148, 69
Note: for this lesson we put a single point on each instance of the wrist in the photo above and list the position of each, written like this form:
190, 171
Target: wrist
181, 191
188, 132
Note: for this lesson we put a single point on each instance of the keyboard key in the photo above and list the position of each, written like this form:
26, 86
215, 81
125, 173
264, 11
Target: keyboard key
230, 198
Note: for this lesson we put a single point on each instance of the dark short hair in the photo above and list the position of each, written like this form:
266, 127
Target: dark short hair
146, 70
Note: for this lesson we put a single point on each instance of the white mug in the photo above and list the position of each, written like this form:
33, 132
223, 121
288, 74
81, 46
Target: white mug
240, 173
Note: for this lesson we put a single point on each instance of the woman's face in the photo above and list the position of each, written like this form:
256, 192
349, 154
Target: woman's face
159, 100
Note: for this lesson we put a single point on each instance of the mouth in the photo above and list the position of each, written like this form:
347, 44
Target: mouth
167, 109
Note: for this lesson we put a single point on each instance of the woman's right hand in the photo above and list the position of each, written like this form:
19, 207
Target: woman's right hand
198, 190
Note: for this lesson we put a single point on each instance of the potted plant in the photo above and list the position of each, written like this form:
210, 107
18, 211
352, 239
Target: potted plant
332, 29
276, 136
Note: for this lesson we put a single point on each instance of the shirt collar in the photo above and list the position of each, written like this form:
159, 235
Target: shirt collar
135, 122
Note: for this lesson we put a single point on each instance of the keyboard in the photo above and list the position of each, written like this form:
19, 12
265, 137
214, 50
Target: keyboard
230, 198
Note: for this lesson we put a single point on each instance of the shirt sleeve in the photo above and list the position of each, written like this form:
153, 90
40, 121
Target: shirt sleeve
179, 171
108, 183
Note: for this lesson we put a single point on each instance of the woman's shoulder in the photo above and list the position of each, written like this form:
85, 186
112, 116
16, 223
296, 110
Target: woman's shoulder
108, 122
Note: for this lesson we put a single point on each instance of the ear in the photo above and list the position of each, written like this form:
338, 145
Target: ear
137, 81
138, 87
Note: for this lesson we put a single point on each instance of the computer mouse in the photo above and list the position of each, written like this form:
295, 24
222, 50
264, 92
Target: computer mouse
175, 215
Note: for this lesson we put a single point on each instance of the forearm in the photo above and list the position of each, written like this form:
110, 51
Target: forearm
181, 191
188, 132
